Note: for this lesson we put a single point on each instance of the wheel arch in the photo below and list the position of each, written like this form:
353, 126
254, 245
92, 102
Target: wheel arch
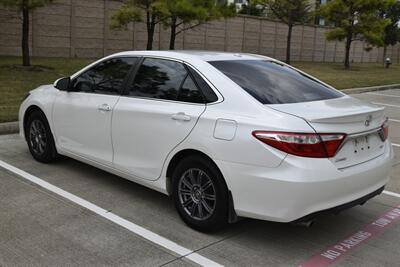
28, 112
173, 163
180, 155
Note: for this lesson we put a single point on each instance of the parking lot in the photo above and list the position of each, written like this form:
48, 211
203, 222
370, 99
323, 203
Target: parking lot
69, 213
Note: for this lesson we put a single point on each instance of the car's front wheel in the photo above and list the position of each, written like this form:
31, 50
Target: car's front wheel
39, 137
200, 194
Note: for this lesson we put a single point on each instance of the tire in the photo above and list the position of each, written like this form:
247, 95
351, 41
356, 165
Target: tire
39, 138
202, 204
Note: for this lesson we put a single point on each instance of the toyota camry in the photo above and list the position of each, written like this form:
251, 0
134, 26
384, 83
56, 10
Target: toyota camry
225, 135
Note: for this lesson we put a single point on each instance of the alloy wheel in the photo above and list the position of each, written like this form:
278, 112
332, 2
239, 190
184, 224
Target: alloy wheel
197, 194
38, 137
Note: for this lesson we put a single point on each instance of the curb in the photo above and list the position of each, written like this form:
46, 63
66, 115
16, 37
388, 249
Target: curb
9, 127
369, 89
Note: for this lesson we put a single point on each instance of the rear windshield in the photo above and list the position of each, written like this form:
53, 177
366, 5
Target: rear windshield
273, 83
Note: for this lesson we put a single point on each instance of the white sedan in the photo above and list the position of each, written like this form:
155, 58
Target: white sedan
224, 134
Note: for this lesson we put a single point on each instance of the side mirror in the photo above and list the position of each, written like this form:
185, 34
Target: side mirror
63, 84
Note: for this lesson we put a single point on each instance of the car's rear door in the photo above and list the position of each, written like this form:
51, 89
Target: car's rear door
82, 116
159, 109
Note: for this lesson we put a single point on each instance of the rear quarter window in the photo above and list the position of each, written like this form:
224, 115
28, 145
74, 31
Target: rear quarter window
274, 83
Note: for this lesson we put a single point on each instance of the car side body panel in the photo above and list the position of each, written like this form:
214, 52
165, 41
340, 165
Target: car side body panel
42, 97
144, 131
82, 127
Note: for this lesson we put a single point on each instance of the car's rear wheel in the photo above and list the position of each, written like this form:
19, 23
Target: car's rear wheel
39, 137
200, 194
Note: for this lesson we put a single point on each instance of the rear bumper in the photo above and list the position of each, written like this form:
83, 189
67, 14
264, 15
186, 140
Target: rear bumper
302, 186
336, 210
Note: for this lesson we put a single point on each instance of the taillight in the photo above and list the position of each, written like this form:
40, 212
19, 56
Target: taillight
384, 133
302, 144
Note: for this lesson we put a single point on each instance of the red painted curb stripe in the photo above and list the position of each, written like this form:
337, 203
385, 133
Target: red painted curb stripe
335, 252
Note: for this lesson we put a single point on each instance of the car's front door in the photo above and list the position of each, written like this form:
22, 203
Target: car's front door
82, 116
157, 112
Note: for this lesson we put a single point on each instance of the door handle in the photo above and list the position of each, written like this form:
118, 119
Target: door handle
104, 107
180, 116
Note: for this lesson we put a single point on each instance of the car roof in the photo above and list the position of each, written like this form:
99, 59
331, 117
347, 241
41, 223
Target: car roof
195, 54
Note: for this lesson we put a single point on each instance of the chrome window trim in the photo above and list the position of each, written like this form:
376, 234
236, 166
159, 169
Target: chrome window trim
164, 100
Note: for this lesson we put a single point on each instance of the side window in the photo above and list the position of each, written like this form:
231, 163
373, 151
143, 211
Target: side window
104, 78
158, 78
206, 90
189, 92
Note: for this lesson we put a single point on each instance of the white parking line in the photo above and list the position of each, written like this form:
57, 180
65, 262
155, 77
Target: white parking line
393, 194
396, 145
394, 120
370, 93
384, 104
146, 234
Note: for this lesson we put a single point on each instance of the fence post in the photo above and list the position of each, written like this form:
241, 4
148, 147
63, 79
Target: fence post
183, 38
105, 21
301, 43
205, 36
32, 48
243, 33
72, 30
259, 36
362, 52
335, 52
275, 37
133, 35
226, 35
325, 44
314, 43
159, 36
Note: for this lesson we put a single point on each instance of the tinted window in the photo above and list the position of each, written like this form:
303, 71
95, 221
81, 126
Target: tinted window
189, 92
106, 77
208, 93
158, 78
273, 83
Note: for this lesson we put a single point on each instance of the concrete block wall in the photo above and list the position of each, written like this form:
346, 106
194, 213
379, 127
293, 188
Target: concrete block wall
80, 28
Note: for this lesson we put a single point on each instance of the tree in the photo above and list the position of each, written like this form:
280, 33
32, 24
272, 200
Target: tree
356, 20
24, 7
292, 13
183, 15
132, 11
392, 30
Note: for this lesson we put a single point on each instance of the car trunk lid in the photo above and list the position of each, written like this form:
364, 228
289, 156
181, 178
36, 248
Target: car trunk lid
359, 120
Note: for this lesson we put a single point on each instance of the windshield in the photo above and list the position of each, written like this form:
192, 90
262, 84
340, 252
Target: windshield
274, 83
